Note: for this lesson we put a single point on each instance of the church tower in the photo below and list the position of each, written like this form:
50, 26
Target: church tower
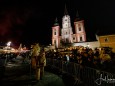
79, 29
55, 34
66, 31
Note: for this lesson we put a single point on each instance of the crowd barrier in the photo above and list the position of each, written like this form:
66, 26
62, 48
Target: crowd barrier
89, 76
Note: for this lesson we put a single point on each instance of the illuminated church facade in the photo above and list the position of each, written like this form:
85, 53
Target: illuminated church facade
67, 34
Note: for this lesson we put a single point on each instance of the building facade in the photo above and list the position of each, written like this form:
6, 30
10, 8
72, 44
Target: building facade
66, 33
107, 41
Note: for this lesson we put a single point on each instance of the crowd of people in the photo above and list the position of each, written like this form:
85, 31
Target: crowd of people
99, 58
102, 59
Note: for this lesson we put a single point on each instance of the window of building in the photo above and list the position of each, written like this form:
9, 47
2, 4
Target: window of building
73, 38
79, 28
67, 40
55, 33
106, 40
81, 39
66, 33
55, 43
65, 19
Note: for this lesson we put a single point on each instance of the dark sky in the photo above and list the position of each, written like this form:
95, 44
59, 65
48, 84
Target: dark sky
31, 21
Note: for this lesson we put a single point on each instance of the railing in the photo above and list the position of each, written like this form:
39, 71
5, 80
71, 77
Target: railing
87, 75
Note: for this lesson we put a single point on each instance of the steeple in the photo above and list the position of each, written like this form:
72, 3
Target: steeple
56, 22
65, 11
77, 17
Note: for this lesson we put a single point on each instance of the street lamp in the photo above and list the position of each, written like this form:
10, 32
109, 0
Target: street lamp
8, 44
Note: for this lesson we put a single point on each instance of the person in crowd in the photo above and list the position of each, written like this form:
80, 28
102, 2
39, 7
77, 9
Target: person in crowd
42, 62
67, 58
34, 60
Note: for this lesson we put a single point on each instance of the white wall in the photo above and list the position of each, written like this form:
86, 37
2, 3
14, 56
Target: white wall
92, 45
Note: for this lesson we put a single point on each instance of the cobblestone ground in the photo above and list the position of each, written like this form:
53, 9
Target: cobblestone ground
20, 75
50, 79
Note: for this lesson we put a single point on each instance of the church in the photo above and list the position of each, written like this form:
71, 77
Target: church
66, 33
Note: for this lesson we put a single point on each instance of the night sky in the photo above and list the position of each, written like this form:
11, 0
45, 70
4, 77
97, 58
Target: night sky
31, 21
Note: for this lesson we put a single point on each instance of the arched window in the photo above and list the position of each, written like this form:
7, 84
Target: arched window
66, 33
79, 27
54, 31
81, 38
